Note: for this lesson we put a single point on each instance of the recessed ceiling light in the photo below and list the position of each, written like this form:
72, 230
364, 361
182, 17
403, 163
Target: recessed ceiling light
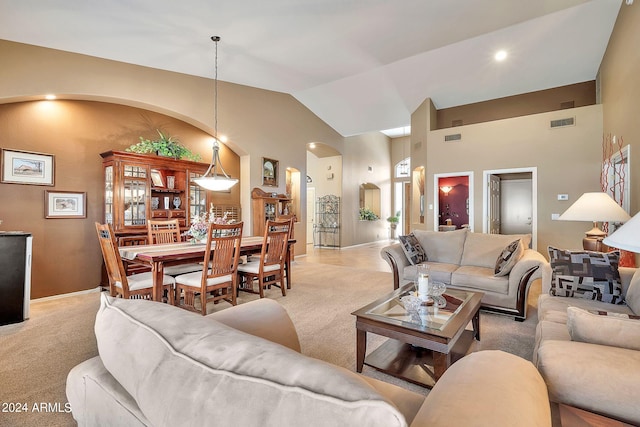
501, 55
50, 97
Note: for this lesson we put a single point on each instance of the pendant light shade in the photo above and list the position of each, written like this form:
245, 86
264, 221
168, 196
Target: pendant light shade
211, 180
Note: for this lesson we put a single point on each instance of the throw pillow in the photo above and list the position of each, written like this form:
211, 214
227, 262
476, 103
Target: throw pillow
413, 249
608, 330
586, 274
509, 257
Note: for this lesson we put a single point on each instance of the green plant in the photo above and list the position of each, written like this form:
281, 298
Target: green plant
394, 219
367, 214
165, 145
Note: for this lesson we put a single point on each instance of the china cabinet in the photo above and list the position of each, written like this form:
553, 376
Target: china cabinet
139, 187
269, 206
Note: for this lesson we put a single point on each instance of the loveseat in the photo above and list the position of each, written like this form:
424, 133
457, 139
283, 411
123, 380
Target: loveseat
162, 366
588, 351
467, 260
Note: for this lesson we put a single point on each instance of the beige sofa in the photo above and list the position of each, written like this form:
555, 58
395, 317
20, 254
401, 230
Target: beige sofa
466, 260
593, 371
162, 366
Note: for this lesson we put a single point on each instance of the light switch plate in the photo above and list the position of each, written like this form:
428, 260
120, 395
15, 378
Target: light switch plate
555, 216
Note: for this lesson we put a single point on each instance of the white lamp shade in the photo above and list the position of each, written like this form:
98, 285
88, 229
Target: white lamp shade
595, 207
216, 183
626, 237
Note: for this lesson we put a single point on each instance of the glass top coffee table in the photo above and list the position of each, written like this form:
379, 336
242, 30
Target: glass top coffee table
422, 344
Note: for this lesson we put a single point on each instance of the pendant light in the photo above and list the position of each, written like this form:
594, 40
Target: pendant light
211, 180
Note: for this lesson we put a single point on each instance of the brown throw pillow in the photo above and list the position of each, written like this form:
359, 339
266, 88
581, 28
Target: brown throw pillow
509, 257
586, 274
413, 249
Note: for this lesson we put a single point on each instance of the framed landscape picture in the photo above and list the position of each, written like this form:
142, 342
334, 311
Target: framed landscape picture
65, 204
269, 172
23, 167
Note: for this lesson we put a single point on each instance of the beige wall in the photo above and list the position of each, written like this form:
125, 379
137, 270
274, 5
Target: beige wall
567, 162
620, 90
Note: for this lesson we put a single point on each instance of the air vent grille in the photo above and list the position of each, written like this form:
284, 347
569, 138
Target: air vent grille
453, 137
569, 121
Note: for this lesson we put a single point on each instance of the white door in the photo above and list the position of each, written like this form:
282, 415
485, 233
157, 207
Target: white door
311, 213
516, 206
494, 204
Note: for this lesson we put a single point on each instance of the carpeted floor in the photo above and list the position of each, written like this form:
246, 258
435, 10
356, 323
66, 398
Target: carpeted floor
37, 354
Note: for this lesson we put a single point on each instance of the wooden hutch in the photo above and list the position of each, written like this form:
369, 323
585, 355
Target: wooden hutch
139, 187
269, 206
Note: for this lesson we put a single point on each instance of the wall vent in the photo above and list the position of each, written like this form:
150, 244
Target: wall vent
569, 121
457, 122
568, 104
453, 137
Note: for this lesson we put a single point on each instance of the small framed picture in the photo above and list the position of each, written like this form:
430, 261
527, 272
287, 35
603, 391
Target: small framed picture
65, 204
156, 178
269, 172
23, 167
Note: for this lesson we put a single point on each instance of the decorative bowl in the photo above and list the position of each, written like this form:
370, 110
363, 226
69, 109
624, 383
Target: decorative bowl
410, 302
436, 289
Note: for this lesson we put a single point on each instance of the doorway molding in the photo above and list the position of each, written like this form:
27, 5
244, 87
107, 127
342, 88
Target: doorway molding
534, 196
436, 201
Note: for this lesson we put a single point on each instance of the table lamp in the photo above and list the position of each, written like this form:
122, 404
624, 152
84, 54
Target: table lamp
595, 207
626, 237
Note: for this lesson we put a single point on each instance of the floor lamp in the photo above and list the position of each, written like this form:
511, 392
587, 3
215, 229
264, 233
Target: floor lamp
595, 207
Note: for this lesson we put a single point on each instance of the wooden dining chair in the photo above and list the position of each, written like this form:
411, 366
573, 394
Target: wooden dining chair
220, 280
168, 231
270, 268
133, 286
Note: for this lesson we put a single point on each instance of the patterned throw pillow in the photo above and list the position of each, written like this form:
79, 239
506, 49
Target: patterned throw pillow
586, 274
413, 249
509, 257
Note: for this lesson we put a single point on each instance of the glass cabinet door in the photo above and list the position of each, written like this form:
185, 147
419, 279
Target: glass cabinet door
134, 195
108, 195
197, 197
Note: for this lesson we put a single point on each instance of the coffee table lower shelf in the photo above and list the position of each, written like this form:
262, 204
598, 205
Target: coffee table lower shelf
410, 363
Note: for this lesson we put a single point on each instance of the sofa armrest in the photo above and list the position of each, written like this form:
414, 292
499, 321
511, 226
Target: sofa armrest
530, 259
263, 318
397, 260
489, 388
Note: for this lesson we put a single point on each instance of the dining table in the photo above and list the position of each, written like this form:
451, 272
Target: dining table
158, 256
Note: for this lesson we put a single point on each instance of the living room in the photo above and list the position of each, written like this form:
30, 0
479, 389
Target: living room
88, 119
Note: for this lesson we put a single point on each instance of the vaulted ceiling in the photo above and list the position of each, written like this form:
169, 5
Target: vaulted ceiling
359, 65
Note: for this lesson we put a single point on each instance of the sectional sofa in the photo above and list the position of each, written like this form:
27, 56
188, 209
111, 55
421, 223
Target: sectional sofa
470, 261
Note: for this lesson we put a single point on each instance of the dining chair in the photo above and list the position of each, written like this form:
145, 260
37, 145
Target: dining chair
270, 268
133, 286
168, 231
220, 280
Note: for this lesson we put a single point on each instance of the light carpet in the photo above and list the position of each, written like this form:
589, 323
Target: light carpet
37, 354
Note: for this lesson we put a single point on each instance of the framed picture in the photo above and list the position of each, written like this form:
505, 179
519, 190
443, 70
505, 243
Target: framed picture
156, 178
23, 167
65, 204
269, 172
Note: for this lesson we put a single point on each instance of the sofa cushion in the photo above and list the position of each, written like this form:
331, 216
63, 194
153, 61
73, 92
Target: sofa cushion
586, 274
481, 278
445, 247
613, 330
633, 293
151, 347
482, 249
438, 272
509, 257
412, 249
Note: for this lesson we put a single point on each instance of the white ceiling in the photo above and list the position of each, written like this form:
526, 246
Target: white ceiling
359, 65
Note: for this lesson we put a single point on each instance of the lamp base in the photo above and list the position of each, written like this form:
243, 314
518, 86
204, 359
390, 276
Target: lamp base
590, 243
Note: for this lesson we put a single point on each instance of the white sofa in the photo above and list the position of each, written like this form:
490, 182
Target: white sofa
162, 366
466, 260
594, 371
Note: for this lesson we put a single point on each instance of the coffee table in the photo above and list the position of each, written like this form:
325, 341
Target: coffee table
421, 346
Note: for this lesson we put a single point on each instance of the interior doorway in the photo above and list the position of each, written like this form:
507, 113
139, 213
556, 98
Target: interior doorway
453, 201
510, 202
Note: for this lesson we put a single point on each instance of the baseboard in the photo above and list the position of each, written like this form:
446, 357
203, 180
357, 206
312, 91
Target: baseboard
70, 294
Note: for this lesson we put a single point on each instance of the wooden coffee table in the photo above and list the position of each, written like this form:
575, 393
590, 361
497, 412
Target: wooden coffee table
421, 346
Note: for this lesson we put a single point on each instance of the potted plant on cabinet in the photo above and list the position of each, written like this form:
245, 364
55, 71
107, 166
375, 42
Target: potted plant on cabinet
164, 145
